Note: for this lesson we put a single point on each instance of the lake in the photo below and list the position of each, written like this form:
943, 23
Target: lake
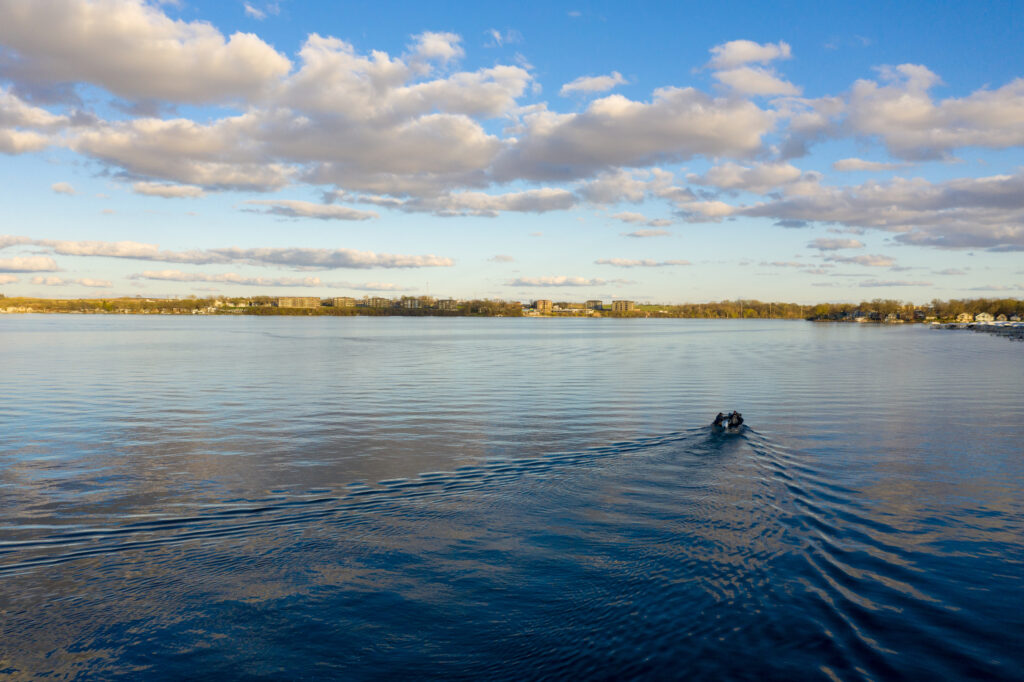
458, 498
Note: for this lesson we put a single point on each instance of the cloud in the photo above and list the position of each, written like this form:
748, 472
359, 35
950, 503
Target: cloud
869, 260
854, 164
496, 38
893, 283
645, 263
442, 47
630, 217
455, 204
28, 264
640, 234
951, 271
759, 178
825, 244
8, 279
752, 80
157, 189
61, 282
677, 124
996, 287
21, 141
305, 209
501, 258
985, 212
299, 258
898, 110
562, 281
370, 286
739, 52
63, 188
227, 278
134, 50
588, 84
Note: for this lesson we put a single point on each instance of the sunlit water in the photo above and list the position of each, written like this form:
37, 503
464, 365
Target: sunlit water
371, 498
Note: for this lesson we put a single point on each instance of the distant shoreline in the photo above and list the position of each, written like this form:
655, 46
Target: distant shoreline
878, 311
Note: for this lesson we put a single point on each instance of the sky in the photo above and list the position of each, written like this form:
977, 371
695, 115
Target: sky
653, 151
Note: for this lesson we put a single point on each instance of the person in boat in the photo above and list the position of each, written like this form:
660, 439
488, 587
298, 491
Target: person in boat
719, 421
735, 420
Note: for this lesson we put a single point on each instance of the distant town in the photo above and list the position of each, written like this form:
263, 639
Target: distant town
882, 311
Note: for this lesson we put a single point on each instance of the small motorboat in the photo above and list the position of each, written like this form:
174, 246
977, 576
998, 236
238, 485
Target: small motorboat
733, 421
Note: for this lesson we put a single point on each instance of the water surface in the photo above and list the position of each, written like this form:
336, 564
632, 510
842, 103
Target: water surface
365, 498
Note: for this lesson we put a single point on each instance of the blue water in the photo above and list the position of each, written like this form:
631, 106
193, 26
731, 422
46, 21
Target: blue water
372, 498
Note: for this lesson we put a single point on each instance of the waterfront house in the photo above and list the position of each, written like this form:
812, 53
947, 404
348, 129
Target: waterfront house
623, 306
984, 317
964, 317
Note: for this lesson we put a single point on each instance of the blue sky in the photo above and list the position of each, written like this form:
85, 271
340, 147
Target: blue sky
650, 151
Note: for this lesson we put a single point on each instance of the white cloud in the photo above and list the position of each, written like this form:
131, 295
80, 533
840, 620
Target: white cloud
227, 278
98, 283
630, 217
752, 80
588, 84
442, 47
50, 281
63, 188
8, 279
644, 263
677, 124
299, 258
134, 50
826, 244
255, 12
502, 258
640, 234
759, 178
562, 281
871, 260
21, 141
305, 209
739, 52
28, 264
854, 164
913, 126
158, 189
539, 200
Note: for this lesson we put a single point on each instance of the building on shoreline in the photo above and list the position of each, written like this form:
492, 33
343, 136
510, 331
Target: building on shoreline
543, 306
343, 302
298, 302
623, 306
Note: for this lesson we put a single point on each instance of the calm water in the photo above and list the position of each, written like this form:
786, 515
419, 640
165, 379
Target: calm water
368, 498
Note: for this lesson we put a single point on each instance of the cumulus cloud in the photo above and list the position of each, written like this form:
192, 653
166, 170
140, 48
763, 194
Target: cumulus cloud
731, 63
898, 110
158, 189
630, 217
292, 208
826, 244
63, 188
855, 164
442, 47
21, 141
134, 50
677, 124
759, 178
588, 84
752, 80
502, 258
562, 281
8, 279
640, 234
28, 264
644, 263
739, 52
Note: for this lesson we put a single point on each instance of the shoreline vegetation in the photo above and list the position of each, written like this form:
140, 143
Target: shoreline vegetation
877, 310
